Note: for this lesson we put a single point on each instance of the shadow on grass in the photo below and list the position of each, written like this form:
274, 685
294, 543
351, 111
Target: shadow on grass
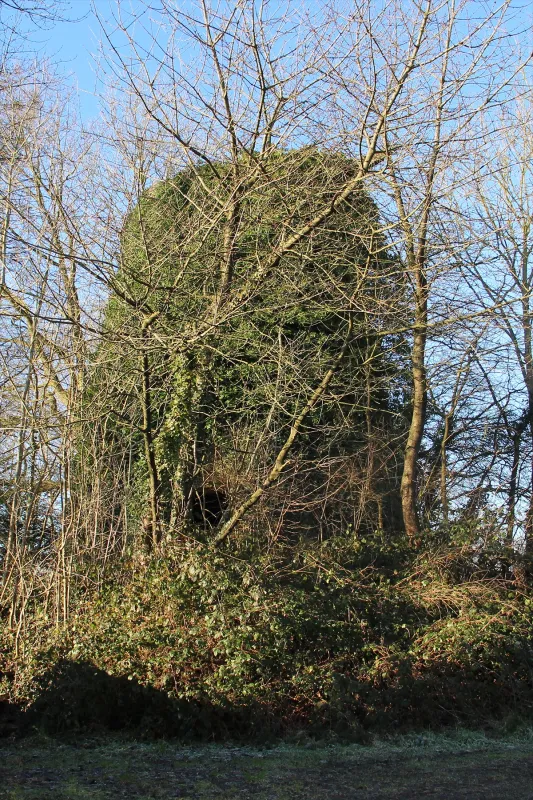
78, 697
10, 718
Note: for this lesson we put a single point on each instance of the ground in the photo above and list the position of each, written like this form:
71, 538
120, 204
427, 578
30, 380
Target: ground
445, 767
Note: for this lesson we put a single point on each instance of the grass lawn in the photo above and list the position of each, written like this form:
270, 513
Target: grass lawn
459, 765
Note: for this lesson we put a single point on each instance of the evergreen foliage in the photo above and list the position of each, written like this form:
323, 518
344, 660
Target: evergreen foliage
318, 615
220, 401
344, 637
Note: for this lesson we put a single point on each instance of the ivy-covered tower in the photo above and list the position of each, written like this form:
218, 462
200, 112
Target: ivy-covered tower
216, 341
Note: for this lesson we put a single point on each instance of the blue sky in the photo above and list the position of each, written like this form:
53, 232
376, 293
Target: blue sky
71, 46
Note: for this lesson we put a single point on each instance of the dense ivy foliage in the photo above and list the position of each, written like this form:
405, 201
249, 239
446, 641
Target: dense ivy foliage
317, 615
345, 636
220, 403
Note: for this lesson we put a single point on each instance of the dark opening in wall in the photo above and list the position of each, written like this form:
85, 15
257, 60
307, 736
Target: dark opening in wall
208, 505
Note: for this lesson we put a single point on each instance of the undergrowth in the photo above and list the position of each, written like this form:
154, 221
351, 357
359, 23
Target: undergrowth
336, 639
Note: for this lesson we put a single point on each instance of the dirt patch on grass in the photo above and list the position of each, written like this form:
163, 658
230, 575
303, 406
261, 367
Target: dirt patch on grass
42, 770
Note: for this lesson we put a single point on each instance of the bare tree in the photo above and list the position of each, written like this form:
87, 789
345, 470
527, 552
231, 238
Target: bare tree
427, 158
499, 275
216, 293
44, 344
400, 107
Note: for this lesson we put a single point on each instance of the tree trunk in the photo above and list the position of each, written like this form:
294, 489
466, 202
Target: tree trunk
414, 438
151, 522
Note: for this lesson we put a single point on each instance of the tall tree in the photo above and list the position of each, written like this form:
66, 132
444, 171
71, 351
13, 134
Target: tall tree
243, 102
499, 272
